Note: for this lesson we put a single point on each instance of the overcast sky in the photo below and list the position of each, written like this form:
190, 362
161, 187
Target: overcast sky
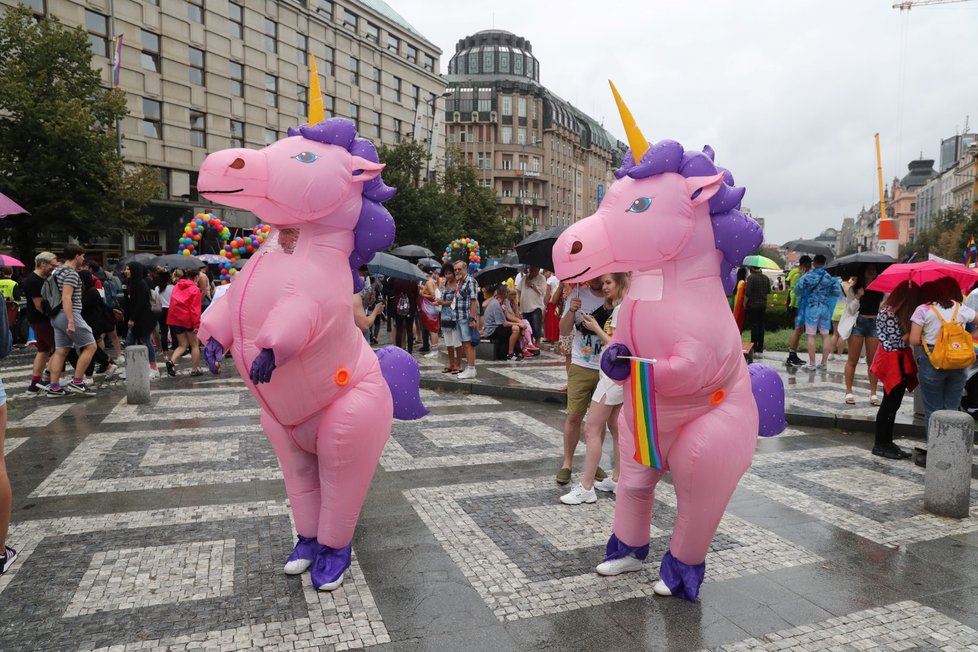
788, 92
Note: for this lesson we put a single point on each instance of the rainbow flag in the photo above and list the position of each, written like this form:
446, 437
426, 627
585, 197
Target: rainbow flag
644, 424
116, 59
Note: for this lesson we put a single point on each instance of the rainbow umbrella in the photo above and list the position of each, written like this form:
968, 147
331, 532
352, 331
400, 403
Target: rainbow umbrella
760, 261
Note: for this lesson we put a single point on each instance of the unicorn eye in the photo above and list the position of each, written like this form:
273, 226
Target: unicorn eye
305, 157
640, 205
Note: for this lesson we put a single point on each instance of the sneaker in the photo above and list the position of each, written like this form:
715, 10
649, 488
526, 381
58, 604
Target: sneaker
467, 374
626, 564
432, 354
600, 474
112, 372
822, 367
579, 495
563, 476
794, 361
608, 485
154, 374
170, 369
514, 357
119, 360
89, 381
808, 367
660, 588
304, 553
196, 372
78, 388
831, 357
892, 453
8, 558
56, 393
44, 382
33, 391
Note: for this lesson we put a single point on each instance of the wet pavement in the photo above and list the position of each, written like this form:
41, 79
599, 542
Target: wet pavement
164, 526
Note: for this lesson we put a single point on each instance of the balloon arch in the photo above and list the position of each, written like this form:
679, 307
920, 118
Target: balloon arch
469, 246
232, 249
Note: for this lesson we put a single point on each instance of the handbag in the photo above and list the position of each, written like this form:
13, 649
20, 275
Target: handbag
848, 320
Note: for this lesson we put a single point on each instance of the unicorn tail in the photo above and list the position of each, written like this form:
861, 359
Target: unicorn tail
403, 376
768, 390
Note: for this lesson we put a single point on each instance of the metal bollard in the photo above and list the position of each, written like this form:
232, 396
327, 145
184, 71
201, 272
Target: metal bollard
137, 375
950, 449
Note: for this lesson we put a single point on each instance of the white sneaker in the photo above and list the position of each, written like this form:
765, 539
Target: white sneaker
89, 381
119, 360
660, 588
625, 564
112, 372
154, 374
831, 357
607, 484
579, 495
432, 354
467, 374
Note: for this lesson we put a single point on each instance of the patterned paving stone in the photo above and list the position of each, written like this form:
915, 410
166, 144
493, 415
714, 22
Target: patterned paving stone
542, 377
42, 417
10, 445
457, 440
434, 399
527, 555
901, 626
206, 577
846, 486
186, 404
117, 461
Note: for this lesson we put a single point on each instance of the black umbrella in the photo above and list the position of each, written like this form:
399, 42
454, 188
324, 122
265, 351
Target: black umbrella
149, 260
389, 265
852, 265
510, 259
429, 263
412, 251
537, 249
810, 247
493, 276
179, 261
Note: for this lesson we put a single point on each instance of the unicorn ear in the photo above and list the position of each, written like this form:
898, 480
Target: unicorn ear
702, 188
363, 170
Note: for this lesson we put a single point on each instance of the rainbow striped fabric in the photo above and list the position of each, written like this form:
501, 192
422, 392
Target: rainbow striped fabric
643, 414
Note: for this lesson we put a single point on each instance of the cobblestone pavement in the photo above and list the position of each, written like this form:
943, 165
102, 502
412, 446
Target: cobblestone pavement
165, 526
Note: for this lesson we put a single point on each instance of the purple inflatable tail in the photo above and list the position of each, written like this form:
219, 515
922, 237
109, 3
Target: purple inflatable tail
403, 377
768, 391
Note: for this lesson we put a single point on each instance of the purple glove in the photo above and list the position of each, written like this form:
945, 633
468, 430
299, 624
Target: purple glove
262, 367
612, 367
213, 354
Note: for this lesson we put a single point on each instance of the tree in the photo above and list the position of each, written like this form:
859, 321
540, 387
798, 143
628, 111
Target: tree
481, 217
58, 154
946, 238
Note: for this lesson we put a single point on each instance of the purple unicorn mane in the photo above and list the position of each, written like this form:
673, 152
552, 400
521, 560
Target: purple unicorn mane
375, 227
735, 233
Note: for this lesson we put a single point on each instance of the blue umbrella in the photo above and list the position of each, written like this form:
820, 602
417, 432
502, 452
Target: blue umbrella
211, 259
395, 267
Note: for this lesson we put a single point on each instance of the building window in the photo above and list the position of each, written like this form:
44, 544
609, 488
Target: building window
473, 62
236, 82
328, 55
37, 6
416, 91
393, 43
533, 110
507, 105
270, 136
354, 71
302, 95
237, 133
373, 33
326, 8
521, 107
487, 60
152, 118
521, 138
355, 115
507, 135
235, 20
412, 53
195, 11
518, 64
302, 49
351, 21
376, 79
198, 133
97, 26
151, 51
484, 98
429, 63
329, 105
196, 66
396, 89
504, 60
397, 130
376, 125
271, 35
271, 90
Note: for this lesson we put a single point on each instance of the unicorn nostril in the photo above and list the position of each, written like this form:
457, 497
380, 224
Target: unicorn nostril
237, 164
576, 247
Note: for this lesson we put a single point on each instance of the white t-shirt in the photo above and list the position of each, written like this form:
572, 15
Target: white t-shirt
554, 284
931, 325
586, 351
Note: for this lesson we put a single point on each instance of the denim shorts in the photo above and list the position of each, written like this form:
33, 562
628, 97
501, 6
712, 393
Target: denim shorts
464, 332
3, 395
865, 327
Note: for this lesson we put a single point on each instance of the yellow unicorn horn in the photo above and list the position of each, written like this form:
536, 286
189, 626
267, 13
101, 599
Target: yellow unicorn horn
635, 138
316, 112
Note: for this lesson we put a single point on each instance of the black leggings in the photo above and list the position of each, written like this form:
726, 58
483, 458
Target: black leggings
886, 416
100, 358
165, 332
405, 327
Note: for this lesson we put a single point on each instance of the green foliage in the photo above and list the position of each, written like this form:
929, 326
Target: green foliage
58, 154
947, 237
453, 206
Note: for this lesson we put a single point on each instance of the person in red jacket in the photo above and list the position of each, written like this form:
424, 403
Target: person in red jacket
183, 318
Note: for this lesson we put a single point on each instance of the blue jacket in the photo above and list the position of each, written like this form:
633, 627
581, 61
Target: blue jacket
818, 287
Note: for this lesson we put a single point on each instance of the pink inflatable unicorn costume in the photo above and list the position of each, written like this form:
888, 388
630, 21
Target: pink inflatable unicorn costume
672, 220
326, 398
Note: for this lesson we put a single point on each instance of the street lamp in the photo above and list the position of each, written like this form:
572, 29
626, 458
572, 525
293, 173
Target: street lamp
522, 173
430, 103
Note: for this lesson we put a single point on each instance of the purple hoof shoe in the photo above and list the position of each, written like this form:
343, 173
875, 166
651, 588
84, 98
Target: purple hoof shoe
329, 566
302, 556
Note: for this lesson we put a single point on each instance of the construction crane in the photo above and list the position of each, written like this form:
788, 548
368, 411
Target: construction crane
910, 4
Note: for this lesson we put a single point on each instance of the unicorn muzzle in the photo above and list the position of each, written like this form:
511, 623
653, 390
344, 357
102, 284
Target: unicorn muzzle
232, 171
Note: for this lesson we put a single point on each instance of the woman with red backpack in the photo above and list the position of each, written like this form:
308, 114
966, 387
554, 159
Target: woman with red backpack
183, 318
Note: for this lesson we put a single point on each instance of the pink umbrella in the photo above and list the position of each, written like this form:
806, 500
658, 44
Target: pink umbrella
921, 273
9, 207
10, 261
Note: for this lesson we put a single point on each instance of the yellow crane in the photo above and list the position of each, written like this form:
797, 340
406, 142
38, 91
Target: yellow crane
910, 4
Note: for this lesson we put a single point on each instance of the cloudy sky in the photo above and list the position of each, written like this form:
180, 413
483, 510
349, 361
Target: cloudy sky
788, 92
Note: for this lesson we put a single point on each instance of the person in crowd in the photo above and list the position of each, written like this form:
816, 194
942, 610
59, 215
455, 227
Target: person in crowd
165, 283
8, 555
12, 294
449, 333
140, 321
551, 320
44, 263
428, 314
940, 388
497, 327
606, 401
565, 341
796, 310
466, 313
70, 328
756, 289
533, 300
838, 344
203, 279
112, 295
406, 297
99, 319
365, 320
183, 319
582, 374
893, 364
864, 332
818, 291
